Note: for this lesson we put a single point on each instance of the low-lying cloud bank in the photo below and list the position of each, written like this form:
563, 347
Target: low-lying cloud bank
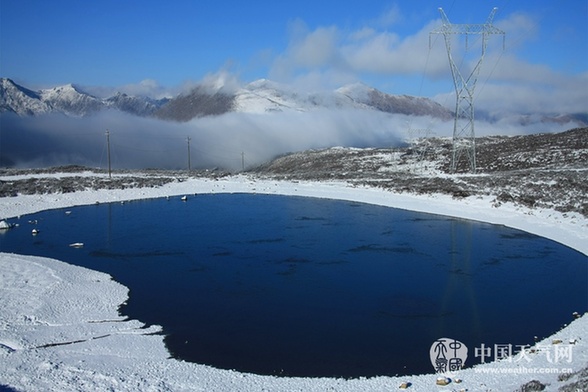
225, 141
231, 141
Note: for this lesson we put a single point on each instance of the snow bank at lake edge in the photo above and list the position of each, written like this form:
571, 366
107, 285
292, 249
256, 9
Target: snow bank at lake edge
570, 229
128, 361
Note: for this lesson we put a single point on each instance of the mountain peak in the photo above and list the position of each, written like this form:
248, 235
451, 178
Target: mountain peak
6, 82
118, 94
66, 89
263, 84
213, 98
20, 100
356, 91
69, 99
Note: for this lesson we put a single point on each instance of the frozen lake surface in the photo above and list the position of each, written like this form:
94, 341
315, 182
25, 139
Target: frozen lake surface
314, 287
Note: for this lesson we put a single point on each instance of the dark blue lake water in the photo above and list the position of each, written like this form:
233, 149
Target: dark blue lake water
310, 287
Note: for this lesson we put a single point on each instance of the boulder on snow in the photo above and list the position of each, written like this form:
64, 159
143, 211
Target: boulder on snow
443, 381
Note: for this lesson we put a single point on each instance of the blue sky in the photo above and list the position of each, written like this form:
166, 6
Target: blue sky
157, 47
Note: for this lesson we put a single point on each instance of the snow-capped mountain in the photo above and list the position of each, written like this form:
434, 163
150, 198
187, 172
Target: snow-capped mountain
139, 106
265, 96
69, 100
403, 104
260, 96
20, 100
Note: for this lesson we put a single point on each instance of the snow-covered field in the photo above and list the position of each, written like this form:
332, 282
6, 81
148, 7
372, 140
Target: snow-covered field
60, 328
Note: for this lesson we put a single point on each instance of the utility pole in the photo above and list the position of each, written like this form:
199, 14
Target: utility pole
189, 162
108, 152
464, 139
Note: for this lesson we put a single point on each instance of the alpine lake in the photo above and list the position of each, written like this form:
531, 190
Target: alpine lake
295, 286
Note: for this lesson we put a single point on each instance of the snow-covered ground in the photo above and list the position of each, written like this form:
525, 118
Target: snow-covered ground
60, 328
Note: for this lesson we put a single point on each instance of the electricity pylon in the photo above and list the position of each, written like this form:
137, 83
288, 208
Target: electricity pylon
418, 138
464, 139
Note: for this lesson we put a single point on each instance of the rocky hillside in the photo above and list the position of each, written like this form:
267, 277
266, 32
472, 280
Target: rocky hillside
199, 102
537, 171
544, 170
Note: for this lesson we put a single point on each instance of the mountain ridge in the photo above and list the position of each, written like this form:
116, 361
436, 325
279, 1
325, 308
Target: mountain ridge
20, 100
69, 100
262, 96
266, 96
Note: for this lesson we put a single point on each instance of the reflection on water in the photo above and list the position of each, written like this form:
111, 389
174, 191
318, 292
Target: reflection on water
308, 287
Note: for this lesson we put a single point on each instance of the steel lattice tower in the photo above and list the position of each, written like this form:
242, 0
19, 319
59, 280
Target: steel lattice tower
464, 140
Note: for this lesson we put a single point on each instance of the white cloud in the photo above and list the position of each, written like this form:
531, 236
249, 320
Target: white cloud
390, 17
221, 80
217, 141
148, 88
375, 54
307, 52
387, 53
362, 51
520, 28
317, 80
329, 55
318, 48
362, 34
569, 97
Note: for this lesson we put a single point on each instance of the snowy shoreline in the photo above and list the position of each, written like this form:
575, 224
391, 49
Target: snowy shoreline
127, 357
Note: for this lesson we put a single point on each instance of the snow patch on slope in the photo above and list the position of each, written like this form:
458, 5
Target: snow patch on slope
264, 96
